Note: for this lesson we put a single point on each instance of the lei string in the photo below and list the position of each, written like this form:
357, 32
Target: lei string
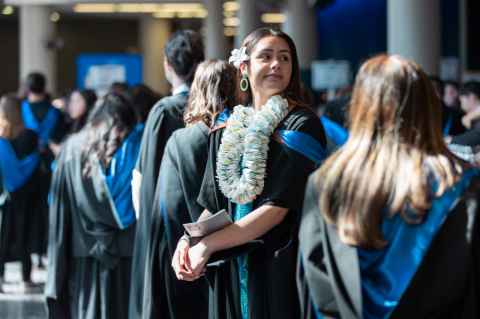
243, 152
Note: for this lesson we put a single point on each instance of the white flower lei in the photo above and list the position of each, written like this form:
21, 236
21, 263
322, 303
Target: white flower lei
248, 134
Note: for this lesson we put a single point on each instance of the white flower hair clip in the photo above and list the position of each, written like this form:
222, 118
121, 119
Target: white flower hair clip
238, 56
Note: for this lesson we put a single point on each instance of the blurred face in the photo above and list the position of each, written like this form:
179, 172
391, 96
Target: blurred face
270, 67
77, 106
468, 102
450, 95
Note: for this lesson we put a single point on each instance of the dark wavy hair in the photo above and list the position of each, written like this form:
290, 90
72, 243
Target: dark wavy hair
213, 89
293, 93
90, 98
108, 125
184, 51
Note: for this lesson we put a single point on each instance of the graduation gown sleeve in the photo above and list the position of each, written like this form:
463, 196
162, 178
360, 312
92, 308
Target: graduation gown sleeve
59, 253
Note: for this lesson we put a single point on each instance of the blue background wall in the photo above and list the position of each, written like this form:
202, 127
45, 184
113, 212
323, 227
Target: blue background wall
355, 30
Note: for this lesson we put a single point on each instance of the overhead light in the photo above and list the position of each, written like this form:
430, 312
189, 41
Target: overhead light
94, 8
231, 22
137, 7
164, 15
230, 32
8, 10
55, 17
273, 18
231, 6
180, 7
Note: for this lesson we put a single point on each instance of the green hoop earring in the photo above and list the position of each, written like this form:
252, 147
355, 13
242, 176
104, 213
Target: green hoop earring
244, 83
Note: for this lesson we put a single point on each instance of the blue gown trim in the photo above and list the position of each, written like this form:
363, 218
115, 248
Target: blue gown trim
43, 129
15, 172
335, 132
222, 117
242, 210
386, 273
118, 177
448, 125
303, 144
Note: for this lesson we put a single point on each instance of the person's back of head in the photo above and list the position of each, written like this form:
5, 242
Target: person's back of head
36, 83
118, 88
213, 89
471, 87
395, 147
109, 123
183, 52
143, 99
11, 122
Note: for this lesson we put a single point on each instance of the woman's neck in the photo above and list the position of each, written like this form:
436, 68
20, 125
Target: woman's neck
259, 101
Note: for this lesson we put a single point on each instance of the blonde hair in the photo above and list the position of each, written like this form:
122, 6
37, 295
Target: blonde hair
11, 123
395, 147
213, 89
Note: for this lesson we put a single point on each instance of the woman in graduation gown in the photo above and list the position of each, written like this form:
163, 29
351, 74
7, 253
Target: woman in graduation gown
92, 218
183, 52
390, 221
180, 178
19, 161
262, 159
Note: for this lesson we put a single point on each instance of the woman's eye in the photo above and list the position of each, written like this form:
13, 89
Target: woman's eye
285, 58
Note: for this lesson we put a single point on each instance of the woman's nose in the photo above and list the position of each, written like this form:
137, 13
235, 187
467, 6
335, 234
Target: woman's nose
275, 65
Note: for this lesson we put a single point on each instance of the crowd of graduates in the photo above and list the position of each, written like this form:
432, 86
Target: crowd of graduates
368, 211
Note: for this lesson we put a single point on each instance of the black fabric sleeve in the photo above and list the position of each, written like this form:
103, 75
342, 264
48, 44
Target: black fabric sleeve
288, 170
210, 197
469, 138
59, 255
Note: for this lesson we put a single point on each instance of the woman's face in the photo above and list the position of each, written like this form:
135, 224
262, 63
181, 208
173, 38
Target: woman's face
77, 106
270, 67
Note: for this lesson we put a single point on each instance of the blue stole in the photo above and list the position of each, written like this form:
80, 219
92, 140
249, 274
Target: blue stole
222, 117
118, 177
335, 132
15, 173
386, 273
43, 129
448, 125
303, 144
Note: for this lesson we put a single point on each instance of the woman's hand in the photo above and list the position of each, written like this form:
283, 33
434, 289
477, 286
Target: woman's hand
198, 256
180, 262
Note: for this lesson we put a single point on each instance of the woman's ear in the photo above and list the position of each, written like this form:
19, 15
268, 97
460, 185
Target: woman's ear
243, 68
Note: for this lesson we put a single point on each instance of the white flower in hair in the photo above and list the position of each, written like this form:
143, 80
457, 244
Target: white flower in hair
238, 56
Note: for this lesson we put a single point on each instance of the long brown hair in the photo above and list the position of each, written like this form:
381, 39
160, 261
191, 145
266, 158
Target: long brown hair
11, 123
213, 89
293, 92
395, 146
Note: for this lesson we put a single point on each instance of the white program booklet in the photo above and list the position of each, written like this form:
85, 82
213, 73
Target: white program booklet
208, 224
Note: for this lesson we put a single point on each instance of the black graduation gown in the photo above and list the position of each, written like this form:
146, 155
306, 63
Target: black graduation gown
271, 267
444, 286
165, 117
40, 231
89, 256
179, 182
19, 211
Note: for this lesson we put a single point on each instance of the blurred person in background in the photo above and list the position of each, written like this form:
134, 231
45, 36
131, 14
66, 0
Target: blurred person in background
19, 162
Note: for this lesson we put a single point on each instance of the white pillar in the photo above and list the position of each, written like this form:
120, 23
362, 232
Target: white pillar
153, 35
300, 26
249, 17
36, 30
414, 32
216, 43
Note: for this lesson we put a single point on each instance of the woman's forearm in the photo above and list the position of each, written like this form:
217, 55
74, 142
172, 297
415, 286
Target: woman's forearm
250, 227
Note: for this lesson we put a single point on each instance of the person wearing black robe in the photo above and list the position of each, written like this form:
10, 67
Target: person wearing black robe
382, 238
19, 160
47, 122
183, 52
264, 285
179, 182
92, 216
